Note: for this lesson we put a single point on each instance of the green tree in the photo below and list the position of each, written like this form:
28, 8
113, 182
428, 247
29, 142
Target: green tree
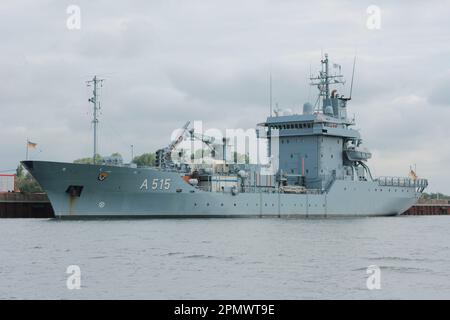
145, 160
25, 181
98, 158
241, 158
88, 160
437, 195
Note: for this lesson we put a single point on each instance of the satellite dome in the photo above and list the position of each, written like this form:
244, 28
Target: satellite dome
328, 110
307, 108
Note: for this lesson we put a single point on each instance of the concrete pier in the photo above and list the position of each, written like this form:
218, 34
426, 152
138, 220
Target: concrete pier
25, 205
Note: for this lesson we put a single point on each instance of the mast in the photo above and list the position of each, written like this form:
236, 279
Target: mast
327, 82
270, 92
95, 82
324, 80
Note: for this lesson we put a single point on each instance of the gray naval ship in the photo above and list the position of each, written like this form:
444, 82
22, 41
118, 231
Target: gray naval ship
318, 168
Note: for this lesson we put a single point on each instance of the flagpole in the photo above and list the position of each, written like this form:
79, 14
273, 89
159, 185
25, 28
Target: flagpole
26, 157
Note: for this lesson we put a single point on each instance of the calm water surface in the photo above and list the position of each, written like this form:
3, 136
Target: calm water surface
226, 258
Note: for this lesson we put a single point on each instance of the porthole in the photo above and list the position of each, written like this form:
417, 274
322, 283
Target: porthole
235, 204
221, 204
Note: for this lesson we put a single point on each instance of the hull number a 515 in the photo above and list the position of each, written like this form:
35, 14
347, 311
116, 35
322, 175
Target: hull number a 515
161, 184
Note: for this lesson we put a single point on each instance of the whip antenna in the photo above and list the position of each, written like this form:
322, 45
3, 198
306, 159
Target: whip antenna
353, 74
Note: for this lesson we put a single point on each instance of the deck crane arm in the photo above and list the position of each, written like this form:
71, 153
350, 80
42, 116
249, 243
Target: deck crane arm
176, 141
205, 139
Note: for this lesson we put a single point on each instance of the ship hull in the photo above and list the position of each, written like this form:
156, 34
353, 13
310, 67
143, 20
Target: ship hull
80, 190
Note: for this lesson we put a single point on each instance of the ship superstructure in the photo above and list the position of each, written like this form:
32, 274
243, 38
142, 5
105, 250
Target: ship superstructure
318, 167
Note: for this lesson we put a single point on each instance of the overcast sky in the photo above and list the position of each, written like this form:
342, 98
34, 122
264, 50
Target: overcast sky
166, 62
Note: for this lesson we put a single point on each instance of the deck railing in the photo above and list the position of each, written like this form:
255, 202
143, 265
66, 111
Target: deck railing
259, 189
420, 184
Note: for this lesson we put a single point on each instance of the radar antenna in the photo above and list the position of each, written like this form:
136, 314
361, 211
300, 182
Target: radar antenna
325, 79
95, 82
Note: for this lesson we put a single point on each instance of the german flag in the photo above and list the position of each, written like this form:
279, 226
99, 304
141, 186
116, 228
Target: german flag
412, 174
31, 145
